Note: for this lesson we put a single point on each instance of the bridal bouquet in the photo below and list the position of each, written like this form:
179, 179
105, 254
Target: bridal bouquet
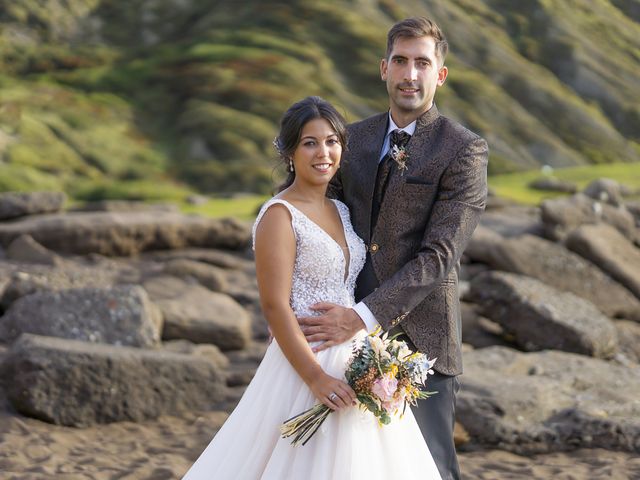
385, 375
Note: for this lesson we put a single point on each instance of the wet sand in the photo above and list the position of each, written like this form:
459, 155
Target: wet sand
166, 447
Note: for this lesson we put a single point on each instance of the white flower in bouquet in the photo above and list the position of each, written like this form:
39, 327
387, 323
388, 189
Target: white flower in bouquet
386, 376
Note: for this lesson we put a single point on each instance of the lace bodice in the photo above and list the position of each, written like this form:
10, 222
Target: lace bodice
319, 269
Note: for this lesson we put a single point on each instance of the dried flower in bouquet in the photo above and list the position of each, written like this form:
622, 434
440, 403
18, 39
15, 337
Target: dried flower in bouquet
385, 374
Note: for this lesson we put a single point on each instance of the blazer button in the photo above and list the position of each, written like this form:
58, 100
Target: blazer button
373, 248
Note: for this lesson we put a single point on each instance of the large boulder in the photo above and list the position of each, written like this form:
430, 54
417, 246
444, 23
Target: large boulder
513, 221
553, 184
127, 233
482, 244
480, 332
125, 206
4, 282
218, 258
605, 190
259, 325
629, 339
203, 350
611, 251
244, 363
23, 281
191, 312
18, 204
548, 401
634, 209
562, 215
121, 315
554, 265
76, 383
19, 284
243, 288
494, 202
206, 275
26, 249
541, 317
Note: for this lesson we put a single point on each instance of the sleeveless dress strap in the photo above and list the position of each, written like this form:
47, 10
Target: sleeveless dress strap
343, 211
263, 210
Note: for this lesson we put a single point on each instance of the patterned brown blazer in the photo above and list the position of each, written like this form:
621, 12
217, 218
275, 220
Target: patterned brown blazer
425, 222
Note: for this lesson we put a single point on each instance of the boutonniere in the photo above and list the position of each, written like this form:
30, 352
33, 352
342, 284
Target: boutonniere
400, 156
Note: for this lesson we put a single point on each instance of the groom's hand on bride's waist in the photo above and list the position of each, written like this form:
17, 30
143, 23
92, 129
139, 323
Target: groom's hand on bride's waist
336, 324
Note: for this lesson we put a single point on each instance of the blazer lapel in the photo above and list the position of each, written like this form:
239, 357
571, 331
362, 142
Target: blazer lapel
418, 151
369, 154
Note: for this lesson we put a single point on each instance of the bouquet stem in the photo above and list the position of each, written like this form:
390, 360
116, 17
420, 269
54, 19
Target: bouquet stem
303, 426
385, 375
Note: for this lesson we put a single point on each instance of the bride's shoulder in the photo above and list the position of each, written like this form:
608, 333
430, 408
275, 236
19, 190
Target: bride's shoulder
276, 217
275, 208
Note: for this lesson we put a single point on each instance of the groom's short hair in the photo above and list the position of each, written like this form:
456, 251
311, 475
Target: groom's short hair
417, 27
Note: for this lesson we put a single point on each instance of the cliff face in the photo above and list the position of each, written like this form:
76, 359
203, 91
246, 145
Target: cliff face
97, 91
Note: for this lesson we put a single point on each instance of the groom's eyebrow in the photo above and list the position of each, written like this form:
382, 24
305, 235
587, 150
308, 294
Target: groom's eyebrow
402, 57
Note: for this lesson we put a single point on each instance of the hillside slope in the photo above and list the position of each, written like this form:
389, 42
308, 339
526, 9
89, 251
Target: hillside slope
105, 98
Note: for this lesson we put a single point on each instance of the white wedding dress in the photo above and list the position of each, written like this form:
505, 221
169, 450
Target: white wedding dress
350, 445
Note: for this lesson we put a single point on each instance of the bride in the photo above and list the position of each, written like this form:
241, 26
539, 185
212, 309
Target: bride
306, 251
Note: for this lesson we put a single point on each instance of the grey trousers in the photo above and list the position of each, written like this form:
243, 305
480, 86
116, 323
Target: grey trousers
436, 417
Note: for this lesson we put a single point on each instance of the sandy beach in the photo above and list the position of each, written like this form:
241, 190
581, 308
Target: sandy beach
164, 449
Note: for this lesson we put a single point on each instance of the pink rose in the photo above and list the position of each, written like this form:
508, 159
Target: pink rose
392, 405
384, 387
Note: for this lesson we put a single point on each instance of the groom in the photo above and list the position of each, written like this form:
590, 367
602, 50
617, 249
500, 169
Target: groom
415, 183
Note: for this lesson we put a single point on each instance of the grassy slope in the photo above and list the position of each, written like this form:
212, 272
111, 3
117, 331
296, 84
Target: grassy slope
108, 100
513, 186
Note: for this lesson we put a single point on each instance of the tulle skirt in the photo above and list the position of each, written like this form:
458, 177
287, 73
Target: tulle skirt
350, 445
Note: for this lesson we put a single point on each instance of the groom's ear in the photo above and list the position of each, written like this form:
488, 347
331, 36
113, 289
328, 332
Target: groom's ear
442, 75
383, 69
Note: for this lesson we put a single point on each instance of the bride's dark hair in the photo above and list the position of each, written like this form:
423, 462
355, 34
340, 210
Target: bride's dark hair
294, 120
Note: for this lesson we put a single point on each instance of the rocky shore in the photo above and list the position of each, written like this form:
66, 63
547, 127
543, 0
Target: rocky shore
128, 332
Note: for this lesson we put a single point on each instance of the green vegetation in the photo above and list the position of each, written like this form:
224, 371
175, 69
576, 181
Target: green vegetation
142, 190
515, 185
244, 207
152, 98
512, 186
57, 138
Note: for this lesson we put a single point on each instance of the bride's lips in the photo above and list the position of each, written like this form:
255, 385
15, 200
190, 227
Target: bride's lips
322, 167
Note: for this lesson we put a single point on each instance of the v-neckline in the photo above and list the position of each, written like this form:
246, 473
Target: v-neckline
346, 265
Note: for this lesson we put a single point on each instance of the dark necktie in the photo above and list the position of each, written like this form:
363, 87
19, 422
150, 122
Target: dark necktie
398, 138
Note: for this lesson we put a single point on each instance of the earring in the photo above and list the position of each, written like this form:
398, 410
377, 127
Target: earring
291, 166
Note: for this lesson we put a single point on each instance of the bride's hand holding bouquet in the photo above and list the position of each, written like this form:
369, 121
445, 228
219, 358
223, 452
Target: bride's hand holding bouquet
383, 373
335, 394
